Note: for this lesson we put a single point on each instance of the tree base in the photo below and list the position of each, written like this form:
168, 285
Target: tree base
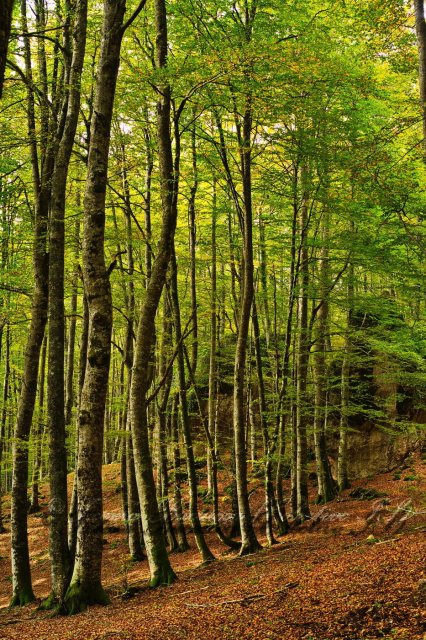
50, 603
207, 557
232, 544
283, 528
163, 577
301, 518
22, 597
34, 508
250, 547
79, 597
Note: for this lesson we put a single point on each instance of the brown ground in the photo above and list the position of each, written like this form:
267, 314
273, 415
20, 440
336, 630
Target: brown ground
339, 578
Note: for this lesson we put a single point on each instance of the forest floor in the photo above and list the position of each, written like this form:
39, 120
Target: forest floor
356, 571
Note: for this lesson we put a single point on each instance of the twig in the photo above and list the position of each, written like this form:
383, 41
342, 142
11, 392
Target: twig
255, 596
386, 541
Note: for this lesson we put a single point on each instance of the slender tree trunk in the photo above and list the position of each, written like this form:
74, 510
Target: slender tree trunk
134, 512
69, 379
192, 251
38, 431
124, 491
249, 542
163, 483
342, 460
58, 505
6, 11
3, 424
21, 574
205, 552
302, 418
326, 485
419, 10
160, 568
269, 488
72, 516
147, 198
85, 587
164, 375
284, 412
180, 525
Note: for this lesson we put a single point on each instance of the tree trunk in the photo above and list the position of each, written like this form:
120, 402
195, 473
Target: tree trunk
206, 554
21, 574
161, 571
85, 587
134, 512
419, 10
37, 435
5, 399
166, 376
69, 379
302, 418
249, 542
72, 516
180, 525
58, 505
269, 489
342, 460
6, 11
326, 485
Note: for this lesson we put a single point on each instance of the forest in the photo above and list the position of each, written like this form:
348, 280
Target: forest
212, 319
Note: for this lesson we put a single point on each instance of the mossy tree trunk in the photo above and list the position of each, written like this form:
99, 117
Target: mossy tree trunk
58, 505
6, 11
21, 574
85, 587
419, 10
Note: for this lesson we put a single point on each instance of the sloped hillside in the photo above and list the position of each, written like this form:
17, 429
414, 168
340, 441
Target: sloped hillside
355, 571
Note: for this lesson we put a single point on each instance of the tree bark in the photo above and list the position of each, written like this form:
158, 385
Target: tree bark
303, 348
58, 505
6, 11
342, 460
21, 574
5, 399
69, 378
249, 542
38, 432
269, 488
206, 554
85, 587
326, 485
160, 568
419, 10
180, 525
